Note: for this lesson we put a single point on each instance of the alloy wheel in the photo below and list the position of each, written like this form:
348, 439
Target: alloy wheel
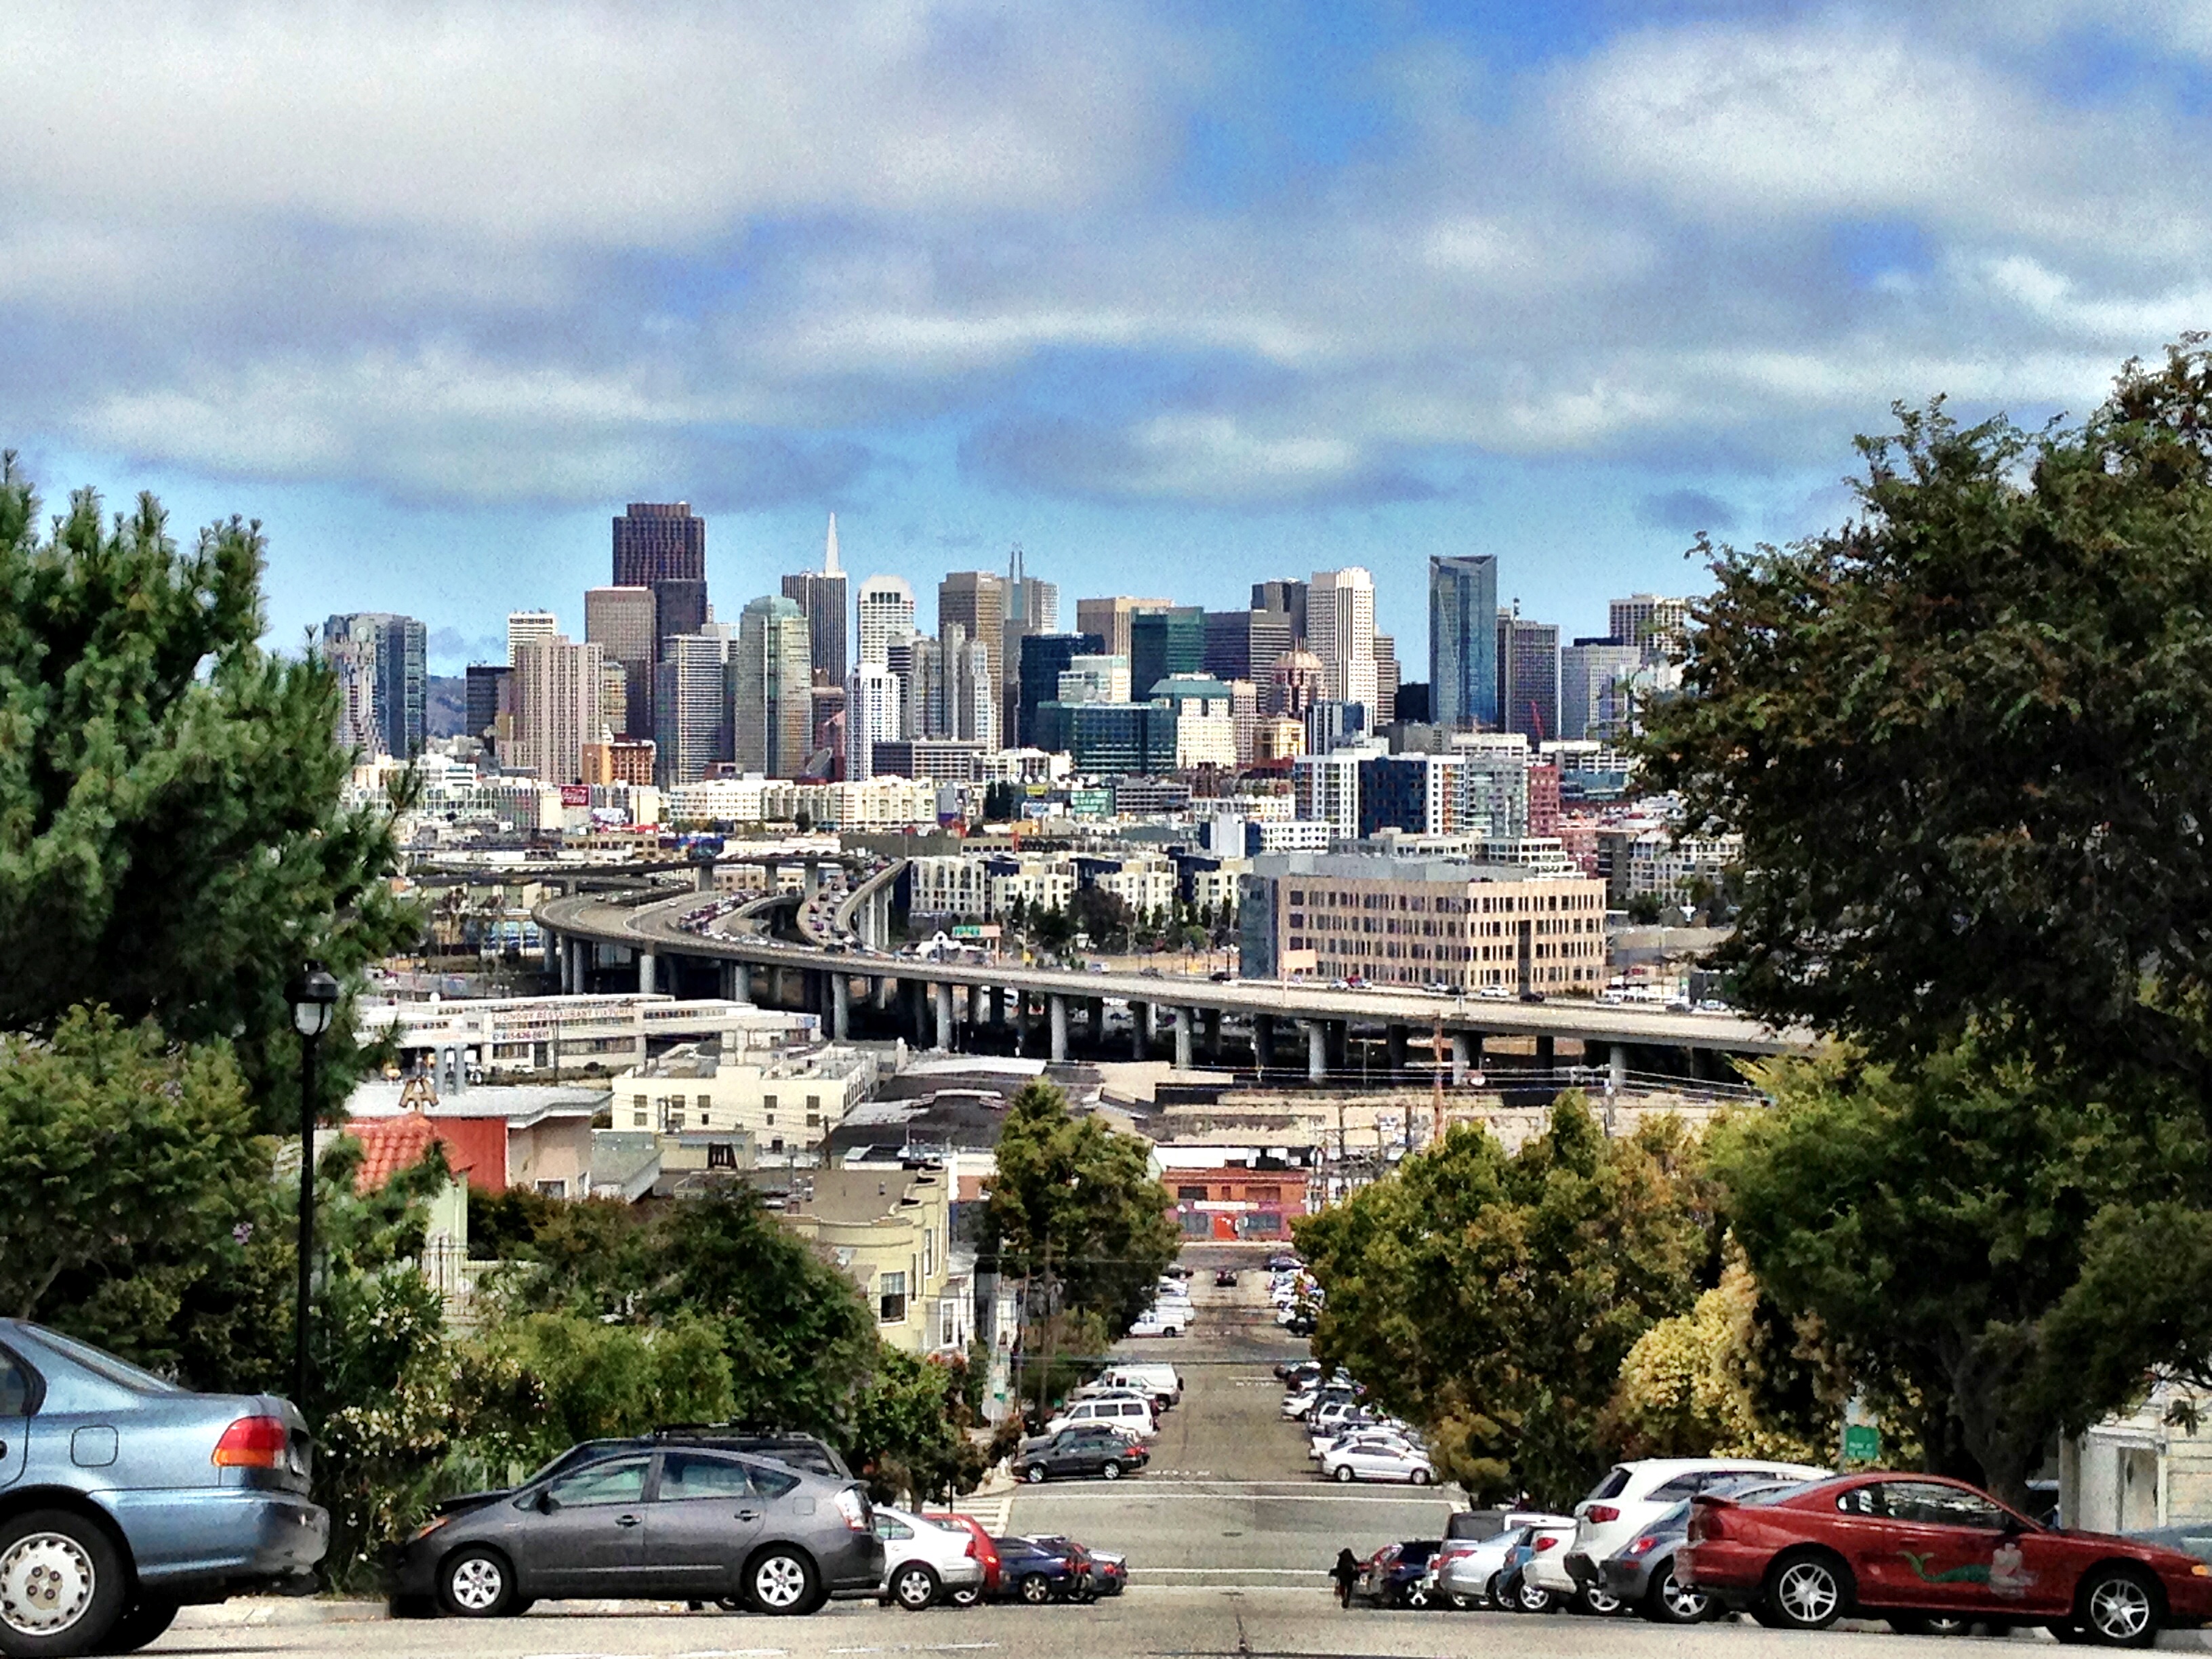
2120, 1609
1683, 1606
779, 1582
914, 1587
47, 1583
1036, 1589
1604, 1603
1807, 1593
477, 1584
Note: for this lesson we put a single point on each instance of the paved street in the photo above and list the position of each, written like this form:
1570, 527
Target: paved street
1229, 1537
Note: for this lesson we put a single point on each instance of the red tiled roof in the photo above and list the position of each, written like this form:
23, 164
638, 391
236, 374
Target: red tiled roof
390, 1145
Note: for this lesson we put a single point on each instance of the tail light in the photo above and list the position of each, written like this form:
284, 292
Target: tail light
1601, 1513
970, 1552
854, 1509
253, 1443
1644, 1546
1545, 1543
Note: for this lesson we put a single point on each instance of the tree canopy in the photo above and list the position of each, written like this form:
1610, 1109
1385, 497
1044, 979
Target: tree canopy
172, 841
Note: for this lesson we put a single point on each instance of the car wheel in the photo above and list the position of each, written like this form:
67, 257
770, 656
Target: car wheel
1459, 1603
1808, 1589
1420, 1477
1666, 1602
1036, 1589
914, 1586
1414, 1595
62, 1585
1033, 1474
1928, 1624
2119, 1609
966, 1596
149, 1617
1344, 1475
1531, 1598
1599, 1604
782, 1580
1111, 1472
476, 1583
1492, 1594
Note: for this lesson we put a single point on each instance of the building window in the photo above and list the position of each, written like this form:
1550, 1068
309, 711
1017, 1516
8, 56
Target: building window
768, 1105
890, 1305
1190, 1195
721, 1155
552, 1189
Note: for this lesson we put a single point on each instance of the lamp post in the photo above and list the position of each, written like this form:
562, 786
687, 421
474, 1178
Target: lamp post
315, 999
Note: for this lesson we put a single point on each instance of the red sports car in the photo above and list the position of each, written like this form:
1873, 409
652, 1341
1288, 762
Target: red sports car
1916, 1548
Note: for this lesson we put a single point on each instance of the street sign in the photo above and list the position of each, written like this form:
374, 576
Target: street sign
1862, 1443
973, 930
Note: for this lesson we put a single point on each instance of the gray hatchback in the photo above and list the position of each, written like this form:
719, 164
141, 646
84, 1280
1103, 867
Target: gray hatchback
123, 1496
680, 1522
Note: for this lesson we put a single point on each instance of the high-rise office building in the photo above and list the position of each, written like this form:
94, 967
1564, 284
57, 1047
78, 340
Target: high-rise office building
1242, 645
885, 607
1098, 677
1286, 598
353, 662
1589, 669
486, 680
919, 662
1045, 658
1386, 681
524, 627
679, 606
1659, 625
821, 595
1108, 618
976, 599
872, 716
1296, 683
557, 706
399, 646
771, 679
1528, 677
971, 696
1164, 642
1463, 642
691, 708
658, 541
1340, 631
622, 623
1032, 606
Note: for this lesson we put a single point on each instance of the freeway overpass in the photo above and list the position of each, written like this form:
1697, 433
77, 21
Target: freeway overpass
936, 999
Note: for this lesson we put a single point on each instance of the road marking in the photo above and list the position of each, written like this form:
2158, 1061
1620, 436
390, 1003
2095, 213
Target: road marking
1271, 1572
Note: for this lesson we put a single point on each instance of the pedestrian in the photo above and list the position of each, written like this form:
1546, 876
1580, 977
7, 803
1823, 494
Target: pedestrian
1347, 1574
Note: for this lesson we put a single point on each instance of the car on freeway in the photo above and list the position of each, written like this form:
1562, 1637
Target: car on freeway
1085, 1451
1468, 1569
123, 1497
1225, 1277
1397, 1575
1909, 1548
1495, 993
681, 1522
1641, 1572
926, 1561
1629, 1495
1377, 1457
1036, 1572
1170, 1321
987, 1552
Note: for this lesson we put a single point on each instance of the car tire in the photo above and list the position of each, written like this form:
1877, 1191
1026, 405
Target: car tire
1532, 1598
1598, 1603
1420, 1478
1666, 1602
782, 1580
149, 1616
915, 1586
1036, 1589
1344, 1476
1459, 1603
1928, 1624
1808, 1589
2119, 1607
966, 1596
1492, 1594
1110, 1472
476, 1581
1033, 1474
82, 1588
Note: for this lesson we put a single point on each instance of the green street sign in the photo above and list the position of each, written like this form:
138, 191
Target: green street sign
1862, 1443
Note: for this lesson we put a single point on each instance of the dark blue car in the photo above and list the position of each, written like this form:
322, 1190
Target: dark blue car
1032, 1570
123, 1496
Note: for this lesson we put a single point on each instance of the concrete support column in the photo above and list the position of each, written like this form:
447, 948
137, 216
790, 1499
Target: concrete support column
811, 880
1263, 1041
943, 1016
1213, 1036
1095, 1016
979, 1004
1141, 1026
1018, 1014
1339, 1035
1544, 1054
1617, 1068
741, 981
998, 1005
1394, 1045
841, 1008
702, 878
1316, 1049
646, 967
886, 992
1462, 1060
1185, 1018
550, 943
1057, 1006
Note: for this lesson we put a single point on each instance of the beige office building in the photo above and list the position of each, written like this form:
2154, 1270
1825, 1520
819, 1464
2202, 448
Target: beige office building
557, 707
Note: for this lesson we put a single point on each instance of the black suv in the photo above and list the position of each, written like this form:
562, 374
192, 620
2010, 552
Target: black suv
1080, 1450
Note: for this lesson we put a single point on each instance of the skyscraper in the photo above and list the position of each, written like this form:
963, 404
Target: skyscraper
1164, 642
1287, 599
353, 662
621, 623
525, 626
1659, 625
1385, 680
1045, 657
1032, 606
771, 679
397, 646
971, 696
657, 542
822, 595
679, 606
976, 599
557, 706
1589, 669
1528, 677
1108, 618
1340, 631
691, 707
919, 665
886, 613
872, 716
1242, 645
1463, 642
484, 683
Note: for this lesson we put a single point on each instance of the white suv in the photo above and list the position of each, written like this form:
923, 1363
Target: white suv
1132, 1417
923, 1560
1633, 1495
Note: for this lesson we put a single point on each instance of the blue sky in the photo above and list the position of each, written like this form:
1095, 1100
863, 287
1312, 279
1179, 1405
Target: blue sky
1179, 296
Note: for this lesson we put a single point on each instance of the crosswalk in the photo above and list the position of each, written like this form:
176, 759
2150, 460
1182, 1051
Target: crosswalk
991, 1508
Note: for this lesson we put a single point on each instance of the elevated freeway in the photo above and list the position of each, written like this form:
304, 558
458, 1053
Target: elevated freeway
936, 999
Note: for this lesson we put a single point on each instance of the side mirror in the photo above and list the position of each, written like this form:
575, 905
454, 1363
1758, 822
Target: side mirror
547, 1502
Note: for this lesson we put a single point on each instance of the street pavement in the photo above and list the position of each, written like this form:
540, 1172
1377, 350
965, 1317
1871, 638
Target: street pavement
1229, 1536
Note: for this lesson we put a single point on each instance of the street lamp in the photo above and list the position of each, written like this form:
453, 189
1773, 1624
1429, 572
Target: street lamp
315, 999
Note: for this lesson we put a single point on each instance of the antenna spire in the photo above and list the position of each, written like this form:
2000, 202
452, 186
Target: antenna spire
830, 553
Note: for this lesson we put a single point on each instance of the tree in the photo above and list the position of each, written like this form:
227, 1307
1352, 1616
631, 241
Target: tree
909, 1429
1997, 1254
1491, 1297
1103, 915
172, 841
598, 1381
1074, 1207
1962, 737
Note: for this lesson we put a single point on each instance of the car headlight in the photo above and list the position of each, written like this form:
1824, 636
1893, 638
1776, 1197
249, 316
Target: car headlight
2201, 1571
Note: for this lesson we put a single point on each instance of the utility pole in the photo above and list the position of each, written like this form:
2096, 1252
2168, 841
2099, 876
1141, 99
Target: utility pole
1437, 1082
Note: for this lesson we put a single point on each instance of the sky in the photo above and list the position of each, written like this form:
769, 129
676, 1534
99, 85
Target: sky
1179, 296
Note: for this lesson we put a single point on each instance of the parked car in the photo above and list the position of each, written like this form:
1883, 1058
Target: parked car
1910, 1548
1170, 1321
125, 1496
1110, 1573
809, 1453
1377, 1457
1396, 1576
1641, 1572
1129, 1415
681, 1522
1155, 1377
1468, 1571
1090, 1449
1036, 1573
924, 1559
1628, 1496
1516, 1591
987, 1552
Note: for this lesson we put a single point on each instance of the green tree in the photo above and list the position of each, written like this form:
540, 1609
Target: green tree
597, 1380
1492, 1296
172, 842
909, 1432
1102, 915
1998, 1254
1962, 737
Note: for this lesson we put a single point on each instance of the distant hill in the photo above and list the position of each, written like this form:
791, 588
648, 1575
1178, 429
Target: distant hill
445, 705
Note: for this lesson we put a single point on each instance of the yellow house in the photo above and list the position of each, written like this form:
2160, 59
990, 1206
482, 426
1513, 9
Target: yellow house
891, 1230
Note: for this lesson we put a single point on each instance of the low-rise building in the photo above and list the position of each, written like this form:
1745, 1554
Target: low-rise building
1232, 1190
538, 1140
786, 1099
891, 1232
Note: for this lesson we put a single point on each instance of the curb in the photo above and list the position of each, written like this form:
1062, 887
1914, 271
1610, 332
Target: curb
260, 1611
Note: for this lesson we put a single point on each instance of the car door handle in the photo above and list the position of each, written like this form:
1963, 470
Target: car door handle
625, 1521
749, 1514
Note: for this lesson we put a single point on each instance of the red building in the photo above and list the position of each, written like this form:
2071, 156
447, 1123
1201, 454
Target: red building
1239, 1191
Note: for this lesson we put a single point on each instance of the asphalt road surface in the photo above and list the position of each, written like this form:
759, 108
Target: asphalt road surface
1229, 1534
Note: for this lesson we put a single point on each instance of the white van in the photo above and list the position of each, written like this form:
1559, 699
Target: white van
1158, 1380
1132, 1417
